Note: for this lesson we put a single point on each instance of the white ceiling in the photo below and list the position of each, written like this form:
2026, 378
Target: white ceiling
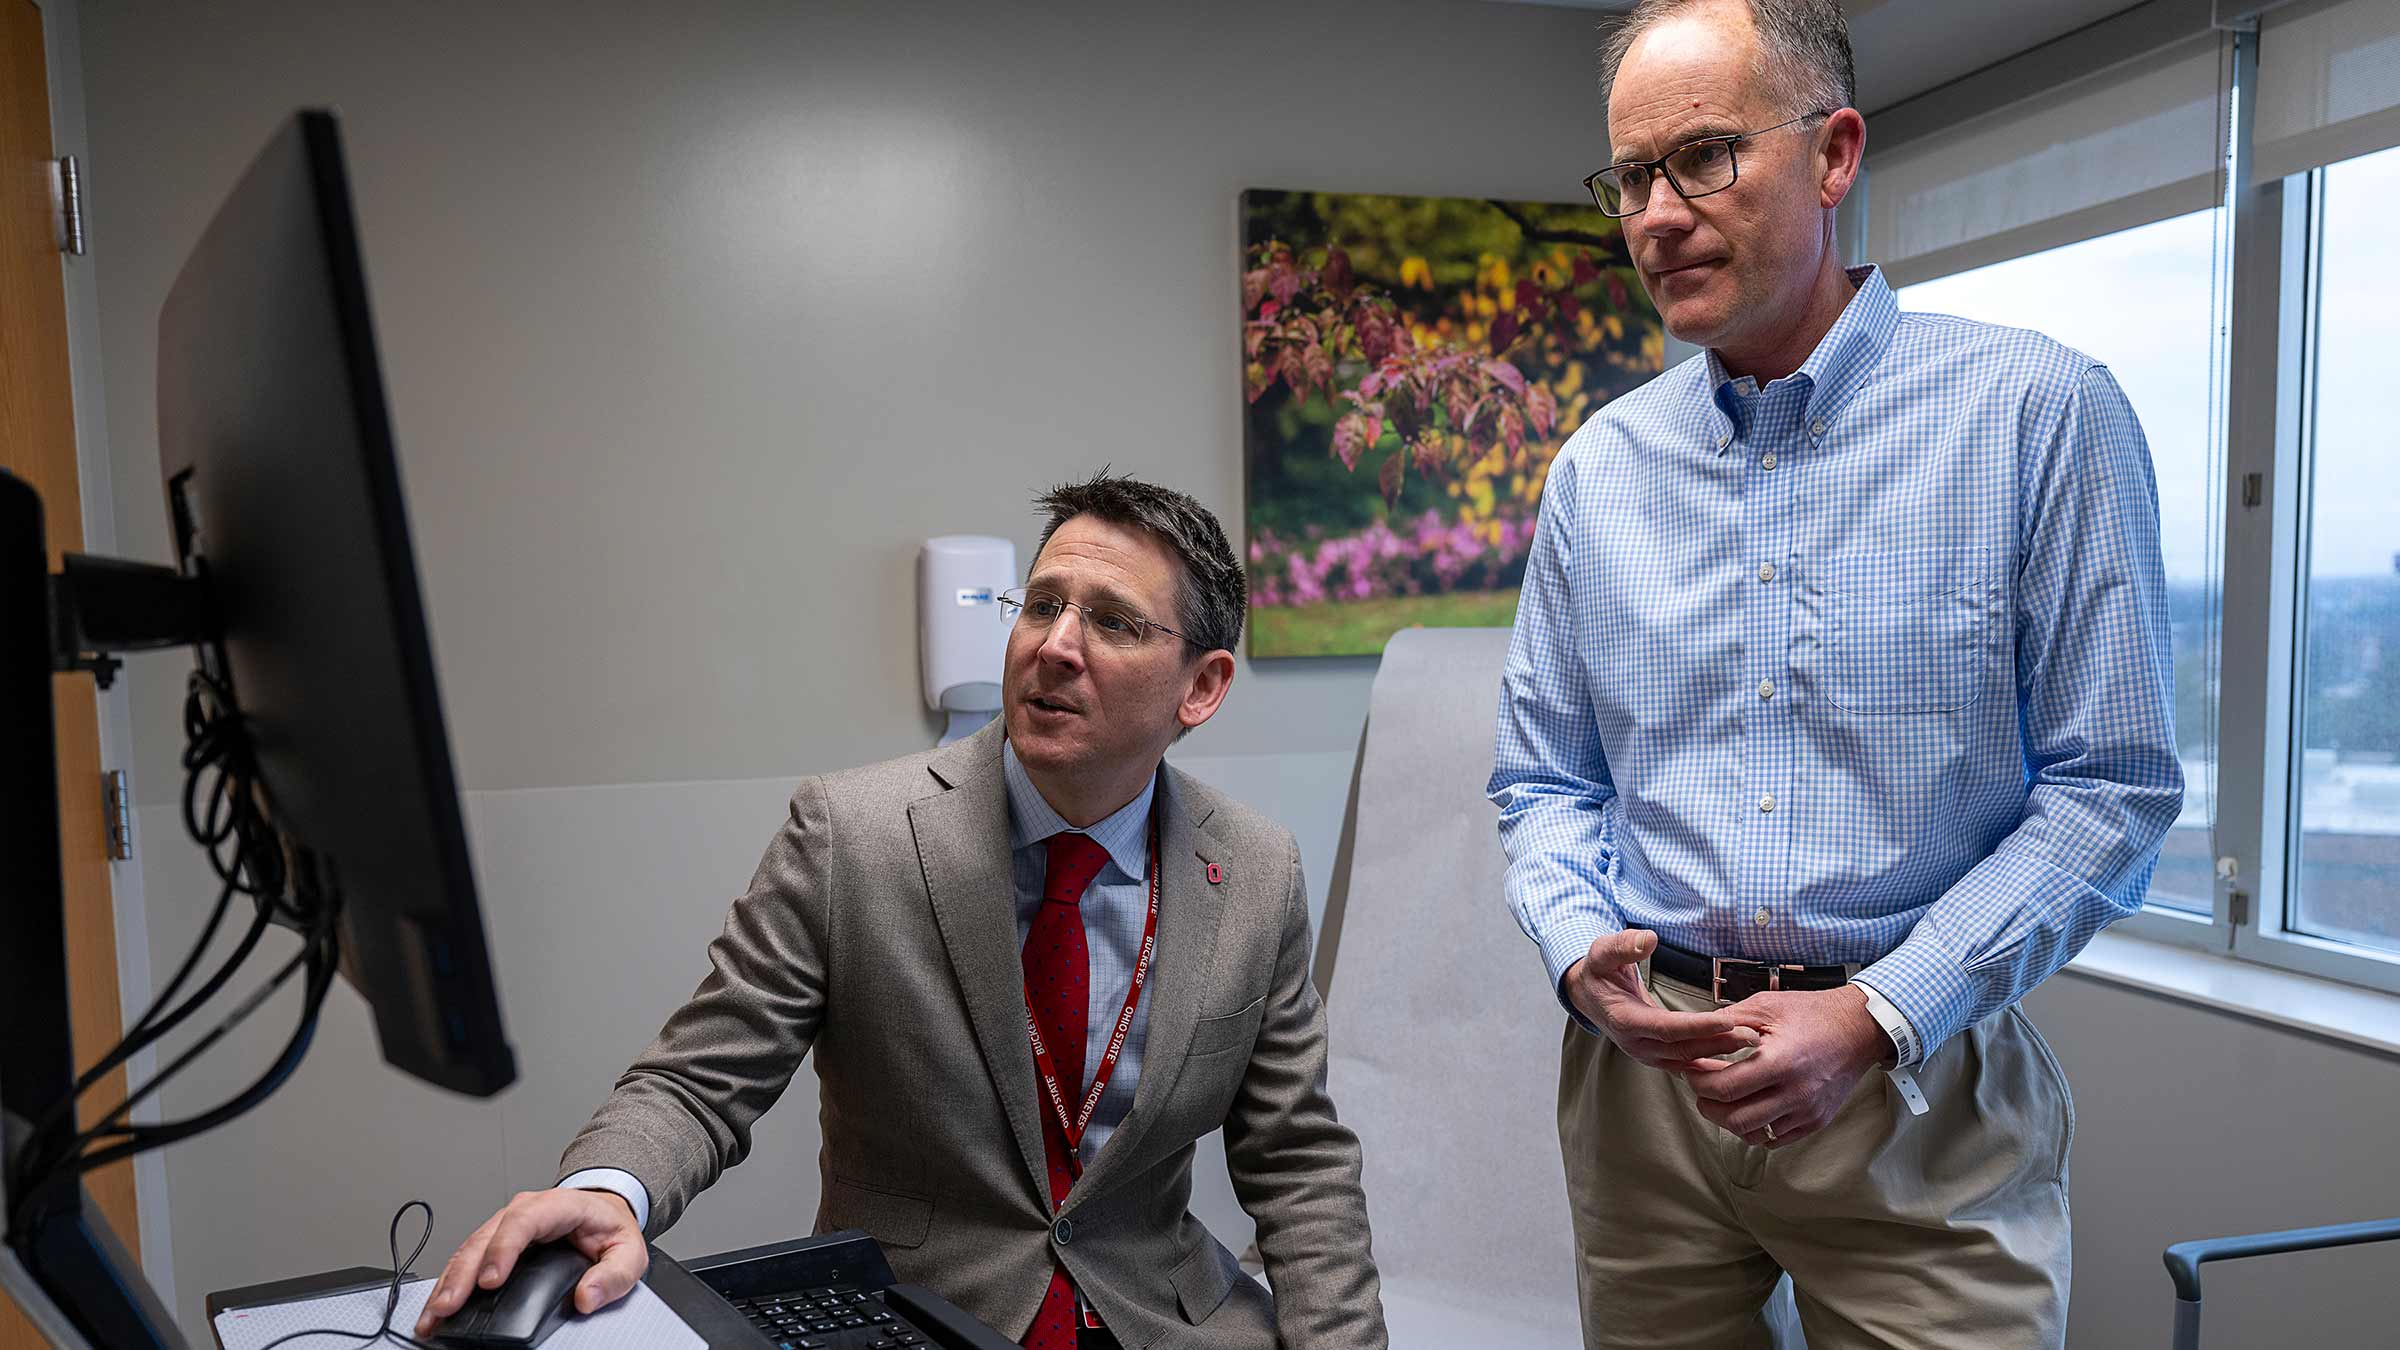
1905, 47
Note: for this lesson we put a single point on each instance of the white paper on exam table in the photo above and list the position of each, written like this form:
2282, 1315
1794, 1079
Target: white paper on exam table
639, 1321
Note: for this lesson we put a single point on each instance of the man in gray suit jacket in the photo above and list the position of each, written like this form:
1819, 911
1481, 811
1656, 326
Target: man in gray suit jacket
1045, 1193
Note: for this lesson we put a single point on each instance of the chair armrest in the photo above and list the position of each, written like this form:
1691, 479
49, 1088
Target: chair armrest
2184, 1258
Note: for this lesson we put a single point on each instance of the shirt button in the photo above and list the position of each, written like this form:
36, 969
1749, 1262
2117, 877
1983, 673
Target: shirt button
1724, 440
1817, 429
1766, 571
1767, 803
1767, 460
1762, 916
1766, 689
1062, 1232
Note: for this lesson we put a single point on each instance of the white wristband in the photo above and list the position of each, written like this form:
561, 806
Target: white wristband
1895, 1024
1909, 1049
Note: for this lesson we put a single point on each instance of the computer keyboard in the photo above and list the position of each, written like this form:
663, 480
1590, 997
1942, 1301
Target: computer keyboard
829, 1317
836, 1292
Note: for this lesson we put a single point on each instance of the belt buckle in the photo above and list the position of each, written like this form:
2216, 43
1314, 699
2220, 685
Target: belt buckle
1716, 974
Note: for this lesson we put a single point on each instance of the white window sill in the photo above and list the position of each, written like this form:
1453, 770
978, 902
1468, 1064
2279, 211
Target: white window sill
2344, 1013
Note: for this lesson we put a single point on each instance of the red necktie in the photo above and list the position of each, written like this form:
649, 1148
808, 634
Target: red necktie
1058, 992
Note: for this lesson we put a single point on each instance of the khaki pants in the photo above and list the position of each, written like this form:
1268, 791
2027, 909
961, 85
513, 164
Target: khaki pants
1943, 1231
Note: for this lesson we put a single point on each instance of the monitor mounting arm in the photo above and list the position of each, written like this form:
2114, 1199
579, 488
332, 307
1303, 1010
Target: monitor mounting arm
102, 606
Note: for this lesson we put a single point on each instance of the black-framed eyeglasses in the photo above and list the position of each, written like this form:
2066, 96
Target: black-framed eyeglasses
1113, 624
1694, 169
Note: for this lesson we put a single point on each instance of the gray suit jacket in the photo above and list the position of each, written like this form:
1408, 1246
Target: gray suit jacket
881, 931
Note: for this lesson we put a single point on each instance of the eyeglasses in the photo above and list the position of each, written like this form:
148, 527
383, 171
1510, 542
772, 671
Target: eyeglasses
1696, 169
1113, 624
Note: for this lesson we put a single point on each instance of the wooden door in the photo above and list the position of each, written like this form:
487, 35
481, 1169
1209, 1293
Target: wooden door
37, 443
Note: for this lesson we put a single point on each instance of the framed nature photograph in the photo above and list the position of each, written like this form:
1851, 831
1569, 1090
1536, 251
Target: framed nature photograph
1410, 366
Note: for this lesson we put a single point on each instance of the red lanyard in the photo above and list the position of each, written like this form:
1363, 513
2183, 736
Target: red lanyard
1048, 1068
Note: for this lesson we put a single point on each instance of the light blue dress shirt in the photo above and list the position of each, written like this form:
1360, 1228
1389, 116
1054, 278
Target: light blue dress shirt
1869, 666
1116, 908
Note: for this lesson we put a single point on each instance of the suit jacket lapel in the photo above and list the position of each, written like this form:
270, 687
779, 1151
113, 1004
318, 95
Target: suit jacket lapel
1189, 909
962, 838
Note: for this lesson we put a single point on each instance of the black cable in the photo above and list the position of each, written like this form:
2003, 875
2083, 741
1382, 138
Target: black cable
197, 1048
320, 966
247, 853
152, 1033
223, 808
208, 745
55, 1165
391, 1297
208, 934
125, 1047
218, 755
61, 1167
154, 1028
213, 743
155, 1023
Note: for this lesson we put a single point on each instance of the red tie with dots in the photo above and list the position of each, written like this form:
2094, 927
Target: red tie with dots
1058, 991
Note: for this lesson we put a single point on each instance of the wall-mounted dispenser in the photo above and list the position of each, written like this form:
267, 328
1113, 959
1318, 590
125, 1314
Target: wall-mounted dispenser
961, 627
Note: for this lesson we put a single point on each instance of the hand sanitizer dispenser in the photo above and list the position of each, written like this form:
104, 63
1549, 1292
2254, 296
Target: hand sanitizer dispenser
961, 626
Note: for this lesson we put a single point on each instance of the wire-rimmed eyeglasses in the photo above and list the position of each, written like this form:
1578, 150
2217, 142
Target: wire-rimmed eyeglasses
1113, 624
1694, 169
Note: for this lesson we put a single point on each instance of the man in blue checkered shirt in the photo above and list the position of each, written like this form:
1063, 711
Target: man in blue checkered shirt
1837, 717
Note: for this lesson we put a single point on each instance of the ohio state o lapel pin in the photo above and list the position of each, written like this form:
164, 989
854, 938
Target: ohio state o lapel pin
1215, 874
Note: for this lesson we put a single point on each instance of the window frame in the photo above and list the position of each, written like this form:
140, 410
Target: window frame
2268, 933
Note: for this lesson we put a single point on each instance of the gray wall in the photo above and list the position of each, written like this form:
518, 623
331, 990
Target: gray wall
696, 320
2192, 1123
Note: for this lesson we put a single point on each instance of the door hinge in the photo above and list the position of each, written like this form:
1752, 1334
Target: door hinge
66, 205
117, 800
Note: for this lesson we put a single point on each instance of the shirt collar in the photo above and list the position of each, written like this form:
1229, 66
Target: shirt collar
1842, 358
1123, 833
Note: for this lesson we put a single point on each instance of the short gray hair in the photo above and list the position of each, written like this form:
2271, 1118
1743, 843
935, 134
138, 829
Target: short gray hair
1804, 49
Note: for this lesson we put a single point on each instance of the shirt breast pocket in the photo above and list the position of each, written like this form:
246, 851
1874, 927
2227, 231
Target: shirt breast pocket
1907, 628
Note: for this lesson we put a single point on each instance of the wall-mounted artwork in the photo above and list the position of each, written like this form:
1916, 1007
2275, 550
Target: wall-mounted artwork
1411, 365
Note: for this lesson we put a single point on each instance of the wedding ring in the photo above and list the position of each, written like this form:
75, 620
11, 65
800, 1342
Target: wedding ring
1770, 1134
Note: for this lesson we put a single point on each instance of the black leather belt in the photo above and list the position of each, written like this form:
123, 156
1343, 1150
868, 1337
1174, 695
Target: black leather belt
1730, 979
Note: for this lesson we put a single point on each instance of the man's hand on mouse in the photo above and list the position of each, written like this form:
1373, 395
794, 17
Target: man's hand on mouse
599, 1223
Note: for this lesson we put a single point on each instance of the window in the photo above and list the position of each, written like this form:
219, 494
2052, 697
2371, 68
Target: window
2143, 302
2253, 336
2345, 868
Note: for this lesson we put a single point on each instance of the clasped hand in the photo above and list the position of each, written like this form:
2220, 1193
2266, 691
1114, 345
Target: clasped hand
1806, 1049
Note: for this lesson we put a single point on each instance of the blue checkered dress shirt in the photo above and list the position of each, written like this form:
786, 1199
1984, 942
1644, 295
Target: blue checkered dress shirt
1115, 907
1868, 666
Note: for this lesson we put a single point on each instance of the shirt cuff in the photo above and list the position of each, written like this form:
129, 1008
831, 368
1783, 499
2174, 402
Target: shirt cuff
1935, 996
615, 1182
1567, 941
1895, 1024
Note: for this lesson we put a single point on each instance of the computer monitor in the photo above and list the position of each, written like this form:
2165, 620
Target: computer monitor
276, 448
295, 582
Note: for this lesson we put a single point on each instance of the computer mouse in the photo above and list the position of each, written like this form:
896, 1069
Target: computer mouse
537, 1296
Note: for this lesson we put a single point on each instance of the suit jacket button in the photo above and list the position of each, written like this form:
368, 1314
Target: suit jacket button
1062, 1232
